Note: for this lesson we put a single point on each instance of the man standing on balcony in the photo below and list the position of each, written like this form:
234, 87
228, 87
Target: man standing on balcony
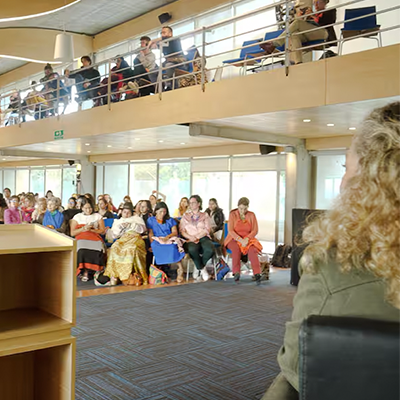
304, 23
172, 51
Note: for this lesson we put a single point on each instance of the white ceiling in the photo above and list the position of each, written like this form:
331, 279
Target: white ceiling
8, 64
162, 138
91, 16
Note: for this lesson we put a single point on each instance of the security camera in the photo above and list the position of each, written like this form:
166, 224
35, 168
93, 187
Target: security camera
71, 162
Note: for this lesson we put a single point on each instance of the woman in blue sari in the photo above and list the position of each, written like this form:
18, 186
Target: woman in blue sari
165, 243
53, 218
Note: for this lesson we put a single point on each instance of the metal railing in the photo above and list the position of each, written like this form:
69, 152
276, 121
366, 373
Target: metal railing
183, 68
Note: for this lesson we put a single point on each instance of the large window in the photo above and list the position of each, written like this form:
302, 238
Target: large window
142, 181
9, 179
69, 184
330, 170
174, 182
99, 180
116, 182
53, 181
37, 181
213, 184
22, 181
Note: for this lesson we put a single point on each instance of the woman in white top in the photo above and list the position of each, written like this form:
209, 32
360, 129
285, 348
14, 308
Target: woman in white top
128, 253
87, 227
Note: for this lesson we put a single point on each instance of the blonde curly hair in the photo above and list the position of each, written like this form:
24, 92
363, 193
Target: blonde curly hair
362, 231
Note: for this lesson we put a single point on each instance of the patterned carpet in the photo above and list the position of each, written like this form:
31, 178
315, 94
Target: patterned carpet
208, 341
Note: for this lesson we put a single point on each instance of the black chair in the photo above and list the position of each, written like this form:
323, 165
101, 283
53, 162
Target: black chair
349, 359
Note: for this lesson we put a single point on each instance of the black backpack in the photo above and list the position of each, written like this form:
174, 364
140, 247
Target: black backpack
281, 256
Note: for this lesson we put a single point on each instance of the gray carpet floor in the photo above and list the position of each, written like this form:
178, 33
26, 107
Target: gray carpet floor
207, 341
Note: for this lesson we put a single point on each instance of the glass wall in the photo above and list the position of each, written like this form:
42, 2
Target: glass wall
116, 182
53, 181
37, 181
68, 184
22, 180
142, 180
330, 170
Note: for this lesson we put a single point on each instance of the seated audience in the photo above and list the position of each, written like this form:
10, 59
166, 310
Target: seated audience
87, 79
71, 203
53, 218
241, 239
126, 199
195, 226
172, 51
16, 105
40, 210
3, 207
28, 207
165, 243
90, 197
105, 209
49, 194
304, 23
53, 89
217, 220
128, 253
36, 102
183, 207
145, 212
109, 201
13, 215
87, 227
7, 195
351, 264
154, 200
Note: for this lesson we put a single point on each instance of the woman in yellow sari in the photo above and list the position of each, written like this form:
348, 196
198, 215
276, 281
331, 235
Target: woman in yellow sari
128, 253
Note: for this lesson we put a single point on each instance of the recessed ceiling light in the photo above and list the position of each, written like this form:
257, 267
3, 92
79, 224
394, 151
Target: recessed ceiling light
89, 151
87, 144
183, 143
129, 147
137, 138
352, 128
109, 145
160, 141
4, 159
330, 124
306, 120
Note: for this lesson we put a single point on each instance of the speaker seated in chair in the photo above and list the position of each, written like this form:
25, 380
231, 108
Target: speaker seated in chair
350, 270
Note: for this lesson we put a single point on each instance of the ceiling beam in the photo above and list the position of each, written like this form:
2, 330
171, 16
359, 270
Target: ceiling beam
39, 154
329, 143
38, 162
243, 135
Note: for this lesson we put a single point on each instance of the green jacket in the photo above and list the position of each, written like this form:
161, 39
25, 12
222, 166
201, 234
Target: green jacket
331, 292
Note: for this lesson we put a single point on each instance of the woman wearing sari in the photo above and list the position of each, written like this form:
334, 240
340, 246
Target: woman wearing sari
241, 239
128, 253
87, 227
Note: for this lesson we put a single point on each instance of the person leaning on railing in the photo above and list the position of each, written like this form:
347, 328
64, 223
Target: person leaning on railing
303, 23
172, 51
351, 265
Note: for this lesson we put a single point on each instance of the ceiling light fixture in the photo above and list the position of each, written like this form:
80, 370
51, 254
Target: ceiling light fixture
4, 159
129, 148
89, 151
29, 59
330, 124
87, 144
109, 145
137, 138
306, 120
183, 143
352, 128
160, 141
64, 48
38, 15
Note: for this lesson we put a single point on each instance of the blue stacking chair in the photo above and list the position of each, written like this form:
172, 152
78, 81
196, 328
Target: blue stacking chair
366, 26
192, 53
247, 54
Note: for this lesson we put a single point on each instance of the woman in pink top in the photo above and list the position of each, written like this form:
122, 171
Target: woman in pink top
195, 227
241, 238
13, 215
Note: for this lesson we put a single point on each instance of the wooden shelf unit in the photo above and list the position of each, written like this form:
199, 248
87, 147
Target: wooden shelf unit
37, 312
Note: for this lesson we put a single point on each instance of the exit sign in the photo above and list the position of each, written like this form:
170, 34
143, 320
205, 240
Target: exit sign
58, 135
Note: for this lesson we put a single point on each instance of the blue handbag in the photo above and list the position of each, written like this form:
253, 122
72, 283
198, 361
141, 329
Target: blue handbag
222, 269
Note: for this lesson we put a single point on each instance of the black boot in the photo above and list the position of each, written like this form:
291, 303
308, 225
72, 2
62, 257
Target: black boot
236, 277
257, 278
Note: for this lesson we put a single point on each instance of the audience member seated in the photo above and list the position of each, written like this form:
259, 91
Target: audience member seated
127, 199
49, 194
40, 210
28, 207
3, 207
128, 253
105, 209
53, 218
305, 23
241, 239
145, 212
165, 243
13, 215
70, 212
7, 195
71, 203
217, 220
350, 267
16, 105
110, 202
195, 226
154, 200
87, 79
87, 227
172, 51
183, 207
36, 102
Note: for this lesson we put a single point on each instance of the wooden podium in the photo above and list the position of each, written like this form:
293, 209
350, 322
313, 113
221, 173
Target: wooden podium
37, 312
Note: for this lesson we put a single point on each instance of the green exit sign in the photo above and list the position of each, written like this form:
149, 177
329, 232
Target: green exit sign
58, 135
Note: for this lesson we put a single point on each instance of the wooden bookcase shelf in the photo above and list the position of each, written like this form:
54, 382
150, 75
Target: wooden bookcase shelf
37, 312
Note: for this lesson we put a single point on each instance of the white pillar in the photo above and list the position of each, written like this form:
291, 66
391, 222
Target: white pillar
86, 184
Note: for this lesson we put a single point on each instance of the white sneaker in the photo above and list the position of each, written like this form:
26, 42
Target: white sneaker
196, 273
204, 274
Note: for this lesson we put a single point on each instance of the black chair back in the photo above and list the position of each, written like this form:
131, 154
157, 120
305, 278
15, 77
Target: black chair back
349, 359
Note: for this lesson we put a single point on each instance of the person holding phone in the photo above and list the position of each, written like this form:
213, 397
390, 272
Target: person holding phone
87, 227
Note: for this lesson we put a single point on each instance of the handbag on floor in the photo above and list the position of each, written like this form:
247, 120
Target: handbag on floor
222, 269
135, 280
157, 277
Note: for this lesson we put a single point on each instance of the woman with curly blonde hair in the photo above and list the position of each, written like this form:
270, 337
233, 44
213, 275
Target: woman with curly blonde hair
351, 266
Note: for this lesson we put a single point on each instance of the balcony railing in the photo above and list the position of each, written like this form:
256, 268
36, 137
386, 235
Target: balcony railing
199, 65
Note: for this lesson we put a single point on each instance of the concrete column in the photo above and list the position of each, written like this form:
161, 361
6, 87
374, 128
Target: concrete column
87, 181
298, 185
